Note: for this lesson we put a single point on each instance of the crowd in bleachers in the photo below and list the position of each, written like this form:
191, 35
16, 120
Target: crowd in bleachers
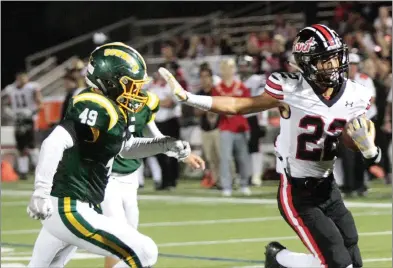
369, 38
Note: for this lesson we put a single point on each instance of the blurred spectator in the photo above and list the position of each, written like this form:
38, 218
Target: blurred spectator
226, 45
216, 78
211, 48
255, 82
71, 88
234, 132
180, 47
276, 60
281, 27
264, 40
170, 63
210, 132
383, 22
77, 70
196, 49
25, 101
167, 119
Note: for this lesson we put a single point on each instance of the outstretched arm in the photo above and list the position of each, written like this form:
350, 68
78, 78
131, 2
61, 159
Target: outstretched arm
220, 104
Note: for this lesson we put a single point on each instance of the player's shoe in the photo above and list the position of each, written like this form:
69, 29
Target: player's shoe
271, 251
245, 191
226, 193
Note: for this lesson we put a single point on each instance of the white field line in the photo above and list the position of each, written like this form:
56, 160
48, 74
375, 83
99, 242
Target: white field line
211, 200
252, 240
204, 222
365, 261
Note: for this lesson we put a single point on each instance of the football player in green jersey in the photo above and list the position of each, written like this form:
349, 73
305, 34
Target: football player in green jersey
120, 200
76, 159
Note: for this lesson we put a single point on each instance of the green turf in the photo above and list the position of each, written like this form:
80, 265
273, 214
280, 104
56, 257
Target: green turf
243, 239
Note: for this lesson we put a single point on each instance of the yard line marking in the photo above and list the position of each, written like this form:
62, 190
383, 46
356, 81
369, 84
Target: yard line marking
252, 240
378, 260
263, 201
214, 200
203, 222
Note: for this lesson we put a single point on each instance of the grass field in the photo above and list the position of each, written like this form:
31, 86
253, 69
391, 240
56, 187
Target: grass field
198, 228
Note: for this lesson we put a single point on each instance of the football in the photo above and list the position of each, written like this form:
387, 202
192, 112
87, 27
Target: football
347, 140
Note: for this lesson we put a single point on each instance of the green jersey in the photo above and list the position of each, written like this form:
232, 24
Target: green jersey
99, 129
140, 119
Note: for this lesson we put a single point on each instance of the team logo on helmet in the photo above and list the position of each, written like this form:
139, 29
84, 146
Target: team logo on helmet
125, 56
303, 47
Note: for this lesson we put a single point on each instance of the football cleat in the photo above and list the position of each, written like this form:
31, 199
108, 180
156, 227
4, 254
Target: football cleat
271, 251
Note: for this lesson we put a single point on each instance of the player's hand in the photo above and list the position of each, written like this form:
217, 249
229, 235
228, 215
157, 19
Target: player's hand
178, 149
40, 206
362, 132
195, 161
177, 89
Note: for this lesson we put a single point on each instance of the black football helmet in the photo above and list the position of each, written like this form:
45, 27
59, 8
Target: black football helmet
318, 43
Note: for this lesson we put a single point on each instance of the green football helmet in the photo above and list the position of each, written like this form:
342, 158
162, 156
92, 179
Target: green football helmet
119, 71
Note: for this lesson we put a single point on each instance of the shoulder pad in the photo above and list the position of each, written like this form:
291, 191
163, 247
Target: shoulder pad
360, 94
278, 84
93, 110
152, 101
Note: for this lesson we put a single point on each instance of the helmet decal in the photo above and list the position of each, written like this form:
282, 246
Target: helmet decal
303, 46
123, 55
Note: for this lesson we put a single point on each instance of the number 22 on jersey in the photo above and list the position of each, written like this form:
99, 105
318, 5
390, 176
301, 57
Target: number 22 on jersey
330, 142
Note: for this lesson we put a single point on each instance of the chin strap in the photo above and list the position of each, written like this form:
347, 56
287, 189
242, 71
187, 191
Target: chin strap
294, 65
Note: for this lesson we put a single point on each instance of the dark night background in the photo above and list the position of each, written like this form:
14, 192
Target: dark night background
28, 27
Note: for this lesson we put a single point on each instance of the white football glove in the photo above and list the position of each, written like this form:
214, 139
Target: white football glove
178, 149
40, 206
177, 89
362, 132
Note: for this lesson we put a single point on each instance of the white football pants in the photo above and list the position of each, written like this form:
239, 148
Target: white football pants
76, 224
121, 202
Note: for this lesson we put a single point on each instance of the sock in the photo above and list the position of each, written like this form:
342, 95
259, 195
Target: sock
155, 169
297, 260
34, 153
23, 164
121, 264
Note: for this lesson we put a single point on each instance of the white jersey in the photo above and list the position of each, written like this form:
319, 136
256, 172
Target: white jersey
309, 133
368, 83
22, 98
256, 84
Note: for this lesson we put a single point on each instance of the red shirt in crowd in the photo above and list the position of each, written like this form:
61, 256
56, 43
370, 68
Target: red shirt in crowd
232, 123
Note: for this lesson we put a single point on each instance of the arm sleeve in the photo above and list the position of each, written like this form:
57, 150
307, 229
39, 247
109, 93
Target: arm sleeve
273, 86
50, 155
144, 147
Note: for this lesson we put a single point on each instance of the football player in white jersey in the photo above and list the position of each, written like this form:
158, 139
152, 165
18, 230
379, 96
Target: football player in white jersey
318, 102
255, 81
24, 98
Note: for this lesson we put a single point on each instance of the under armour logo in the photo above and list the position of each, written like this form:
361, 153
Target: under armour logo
347, 103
